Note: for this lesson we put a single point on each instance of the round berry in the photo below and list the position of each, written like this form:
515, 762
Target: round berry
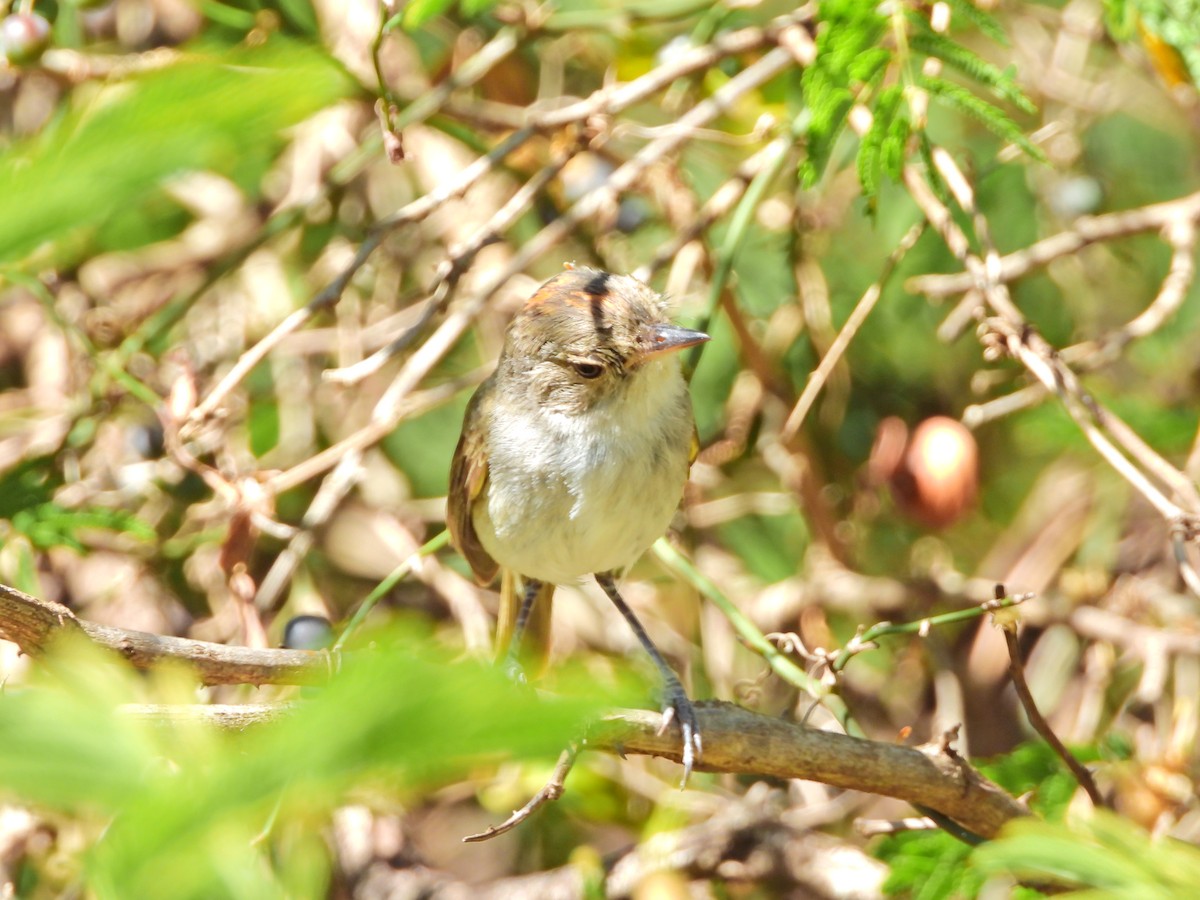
24, 37
308, 633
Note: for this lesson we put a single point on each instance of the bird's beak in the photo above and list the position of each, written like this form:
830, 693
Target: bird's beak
658, 340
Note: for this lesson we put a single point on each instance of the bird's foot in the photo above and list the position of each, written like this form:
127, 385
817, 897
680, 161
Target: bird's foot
679, 708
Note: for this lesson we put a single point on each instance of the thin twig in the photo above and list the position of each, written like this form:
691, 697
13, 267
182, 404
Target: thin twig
731, 244
1010, 331
329, 296
381, 590
875, 827
371, 433
612, 99
868, 638
717, 206
753, 636
1092, 354
552, 790
1086, 231
472, 69
1016, 669
326, 502
859, 315
452, 268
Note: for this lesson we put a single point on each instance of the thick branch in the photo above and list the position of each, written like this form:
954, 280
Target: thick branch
740, 741
32, 625
735, 739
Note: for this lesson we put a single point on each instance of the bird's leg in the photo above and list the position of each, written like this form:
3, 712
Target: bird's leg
512, 661
677, 704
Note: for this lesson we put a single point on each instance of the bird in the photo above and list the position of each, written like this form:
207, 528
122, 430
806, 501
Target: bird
574, 455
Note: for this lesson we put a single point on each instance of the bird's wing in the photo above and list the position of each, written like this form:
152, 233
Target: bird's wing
468, 476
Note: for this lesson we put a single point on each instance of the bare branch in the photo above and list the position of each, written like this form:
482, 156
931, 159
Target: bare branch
736, 739
552, 790
861, 310
1087, 230
1009, 330
1016, 668
32, 625
741, 741
618, 97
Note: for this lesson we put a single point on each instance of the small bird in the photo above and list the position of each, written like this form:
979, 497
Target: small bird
574, 455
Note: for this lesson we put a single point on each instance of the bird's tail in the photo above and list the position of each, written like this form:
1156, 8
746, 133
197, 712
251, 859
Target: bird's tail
535, 647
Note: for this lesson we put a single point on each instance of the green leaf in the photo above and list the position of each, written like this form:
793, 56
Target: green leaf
264, 426
985, 22
49, 525
990, 116
894, 150
112, 152
229, 16
185, 804
974, 67
419, 12
1106, 852
300, 14
849, 57
870, 151
28, 484
477, 7
930, 865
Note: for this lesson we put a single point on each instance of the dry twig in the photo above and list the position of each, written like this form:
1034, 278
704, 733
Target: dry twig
552, 790
1007, 331
1016, 668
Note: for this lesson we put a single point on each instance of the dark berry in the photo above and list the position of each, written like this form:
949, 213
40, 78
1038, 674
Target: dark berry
307, 633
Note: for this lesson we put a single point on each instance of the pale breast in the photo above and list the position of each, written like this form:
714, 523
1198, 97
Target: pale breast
568, 496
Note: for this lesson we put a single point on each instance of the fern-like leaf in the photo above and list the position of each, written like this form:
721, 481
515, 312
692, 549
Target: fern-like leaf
987, 114
870, 151
985, 22
974, 67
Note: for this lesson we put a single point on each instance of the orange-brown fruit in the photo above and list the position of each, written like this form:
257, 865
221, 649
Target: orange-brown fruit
933, 473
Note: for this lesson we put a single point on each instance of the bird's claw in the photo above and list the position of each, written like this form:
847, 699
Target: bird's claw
679, 708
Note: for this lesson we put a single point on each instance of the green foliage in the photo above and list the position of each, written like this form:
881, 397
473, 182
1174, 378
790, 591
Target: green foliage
932, 865
928, 865
1105, 852
227, 814
865, 56
418, 12
849, 56
882, 147
1035, 772
262, 419
926, 41
222, 112
1173, 33
26, 501
975, 107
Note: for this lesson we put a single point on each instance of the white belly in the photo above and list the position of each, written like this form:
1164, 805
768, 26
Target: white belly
569, 496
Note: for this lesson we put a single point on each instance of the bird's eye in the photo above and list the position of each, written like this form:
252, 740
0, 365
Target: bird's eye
588, 370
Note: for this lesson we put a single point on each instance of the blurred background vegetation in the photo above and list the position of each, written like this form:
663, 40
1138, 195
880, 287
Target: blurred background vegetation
182, 181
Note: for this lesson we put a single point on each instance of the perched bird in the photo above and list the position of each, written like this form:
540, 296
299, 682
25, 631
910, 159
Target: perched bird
574, 455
